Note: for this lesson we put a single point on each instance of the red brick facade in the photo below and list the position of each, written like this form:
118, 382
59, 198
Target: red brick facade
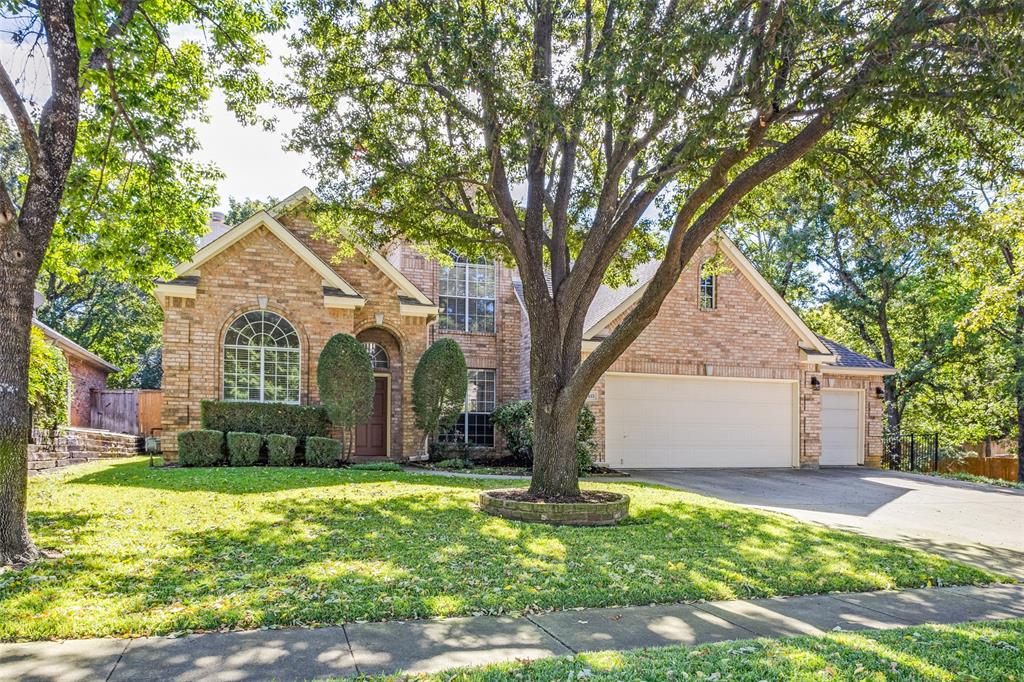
744, 336
85, 379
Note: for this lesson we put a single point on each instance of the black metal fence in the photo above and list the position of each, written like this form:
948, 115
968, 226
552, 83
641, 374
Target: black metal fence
910, 452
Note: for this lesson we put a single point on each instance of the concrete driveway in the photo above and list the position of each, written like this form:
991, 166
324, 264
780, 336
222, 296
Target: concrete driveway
976, 524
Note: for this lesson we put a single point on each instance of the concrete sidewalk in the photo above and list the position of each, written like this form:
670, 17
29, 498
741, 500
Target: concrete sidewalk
432, 645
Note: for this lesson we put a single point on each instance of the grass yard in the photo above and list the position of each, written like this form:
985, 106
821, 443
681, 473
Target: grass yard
992, 651
973, 478
156, 551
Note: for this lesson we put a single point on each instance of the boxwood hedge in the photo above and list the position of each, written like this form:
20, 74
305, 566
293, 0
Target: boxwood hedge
322, 452
301, 421
200, 448
243, 448
281, 450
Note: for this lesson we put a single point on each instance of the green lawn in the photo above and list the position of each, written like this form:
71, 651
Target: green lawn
973, 478
991, 651
150, 551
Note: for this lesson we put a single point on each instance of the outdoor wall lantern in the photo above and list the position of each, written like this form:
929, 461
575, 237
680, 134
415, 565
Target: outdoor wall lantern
815, 383
879, 392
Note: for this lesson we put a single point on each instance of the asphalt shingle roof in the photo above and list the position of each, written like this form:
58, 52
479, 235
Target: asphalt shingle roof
849, 358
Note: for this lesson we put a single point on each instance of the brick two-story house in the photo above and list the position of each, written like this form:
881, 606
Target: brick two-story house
727, 375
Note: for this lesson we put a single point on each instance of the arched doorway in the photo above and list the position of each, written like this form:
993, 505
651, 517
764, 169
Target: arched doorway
377, 436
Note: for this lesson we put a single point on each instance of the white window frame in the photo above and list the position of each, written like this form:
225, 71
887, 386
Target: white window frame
468, 268
707, 282
263, 361
467, 413
370, 346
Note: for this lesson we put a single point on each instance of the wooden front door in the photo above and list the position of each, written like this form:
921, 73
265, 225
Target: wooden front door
372, 437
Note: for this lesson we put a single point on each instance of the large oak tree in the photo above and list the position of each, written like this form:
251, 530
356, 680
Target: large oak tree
106, 130
563, 134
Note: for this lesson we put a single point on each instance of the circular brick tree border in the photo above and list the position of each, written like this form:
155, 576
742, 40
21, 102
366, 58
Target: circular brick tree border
557, 513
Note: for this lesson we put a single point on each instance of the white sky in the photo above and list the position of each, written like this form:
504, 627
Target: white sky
251, 158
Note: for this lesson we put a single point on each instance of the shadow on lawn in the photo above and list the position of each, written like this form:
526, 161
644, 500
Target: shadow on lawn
431, 553
247, 480
989, 651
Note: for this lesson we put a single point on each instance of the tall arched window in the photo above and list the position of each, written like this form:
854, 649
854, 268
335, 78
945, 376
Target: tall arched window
261, 359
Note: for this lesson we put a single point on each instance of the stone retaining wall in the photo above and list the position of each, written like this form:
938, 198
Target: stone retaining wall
67, 446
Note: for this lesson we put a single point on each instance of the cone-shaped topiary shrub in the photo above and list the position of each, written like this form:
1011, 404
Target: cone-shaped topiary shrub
244, 448
200, 448
439, 388
344, 376
281, 450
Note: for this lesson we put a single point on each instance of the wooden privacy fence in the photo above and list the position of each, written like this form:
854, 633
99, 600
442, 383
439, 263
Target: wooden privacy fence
993, 467
133, 410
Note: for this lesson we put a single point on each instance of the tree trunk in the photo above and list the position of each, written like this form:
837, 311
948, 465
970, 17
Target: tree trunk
555, 472
893, 415
15, 329
553, 360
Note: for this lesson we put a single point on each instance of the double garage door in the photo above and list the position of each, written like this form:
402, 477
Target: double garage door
672, 421
675, 422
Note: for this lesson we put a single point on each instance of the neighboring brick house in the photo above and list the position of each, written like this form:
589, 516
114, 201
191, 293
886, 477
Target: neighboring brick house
89, 374
727, 375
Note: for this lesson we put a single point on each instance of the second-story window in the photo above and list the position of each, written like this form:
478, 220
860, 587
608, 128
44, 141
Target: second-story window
708, 291
466, 296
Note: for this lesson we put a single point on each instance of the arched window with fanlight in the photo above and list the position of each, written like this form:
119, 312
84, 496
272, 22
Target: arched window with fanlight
378, 356
261, 359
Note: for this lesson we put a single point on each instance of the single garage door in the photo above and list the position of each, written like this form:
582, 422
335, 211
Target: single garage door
671, 421
840, 427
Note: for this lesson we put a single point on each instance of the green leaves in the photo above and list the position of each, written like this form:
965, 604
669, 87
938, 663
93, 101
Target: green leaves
344, 375
439, 386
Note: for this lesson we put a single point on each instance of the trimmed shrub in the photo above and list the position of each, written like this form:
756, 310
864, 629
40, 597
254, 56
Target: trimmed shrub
322, 452
515, 420
48, 379
301, 421
243, 448
200, 448
376, 466
439, 387
281, 450
454, 464
344, 376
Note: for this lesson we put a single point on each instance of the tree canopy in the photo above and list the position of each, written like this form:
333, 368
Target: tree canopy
576, 139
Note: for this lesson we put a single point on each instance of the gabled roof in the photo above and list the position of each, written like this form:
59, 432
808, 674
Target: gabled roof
610, 303
72, 348
250, 224
407, 288
847, 359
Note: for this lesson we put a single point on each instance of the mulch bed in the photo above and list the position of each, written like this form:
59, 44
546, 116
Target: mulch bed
587, 496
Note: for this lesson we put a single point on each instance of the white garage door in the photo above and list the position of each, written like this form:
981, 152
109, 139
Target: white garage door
840, 428
667, 422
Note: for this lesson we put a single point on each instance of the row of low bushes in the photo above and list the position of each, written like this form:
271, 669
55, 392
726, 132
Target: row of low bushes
210, 447
299, 421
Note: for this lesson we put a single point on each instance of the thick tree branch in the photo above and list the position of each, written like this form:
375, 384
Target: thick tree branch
22, 119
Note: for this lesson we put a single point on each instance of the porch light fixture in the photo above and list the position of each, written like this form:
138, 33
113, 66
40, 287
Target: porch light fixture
815, 383
378, 318
879, 392
262, 300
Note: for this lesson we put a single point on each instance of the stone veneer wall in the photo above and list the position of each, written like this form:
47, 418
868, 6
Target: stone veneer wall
67, 446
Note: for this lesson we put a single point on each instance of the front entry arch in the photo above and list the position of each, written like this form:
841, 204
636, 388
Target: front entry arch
376, 438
